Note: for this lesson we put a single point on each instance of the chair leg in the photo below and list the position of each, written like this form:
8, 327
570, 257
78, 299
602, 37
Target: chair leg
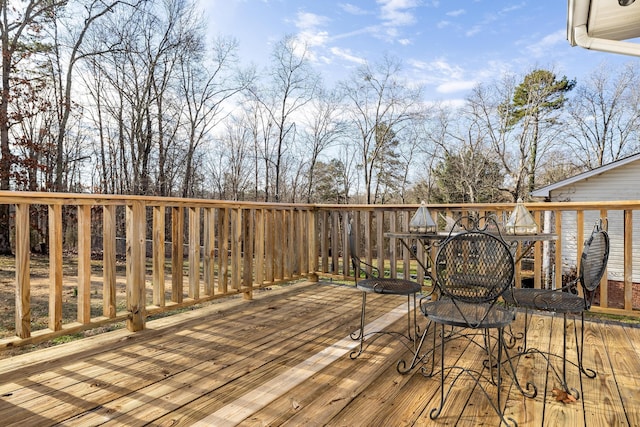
410, 333
589, 373
491, 364
359, 335
435, 412
499, 369
523, 348
559, 372
416, 332
402, 367
563, 378
476, 377
413, 331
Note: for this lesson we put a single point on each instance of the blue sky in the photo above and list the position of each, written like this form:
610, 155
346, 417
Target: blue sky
448, 46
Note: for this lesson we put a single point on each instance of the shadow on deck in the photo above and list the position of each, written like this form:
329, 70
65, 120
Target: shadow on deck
283, 358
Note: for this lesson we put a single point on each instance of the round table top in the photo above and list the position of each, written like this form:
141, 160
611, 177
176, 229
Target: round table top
389, 286
443, 234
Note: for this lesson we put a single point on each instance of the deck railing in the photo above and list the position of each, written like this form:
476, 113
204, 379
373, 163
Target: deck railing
123, 258
549, 264
177, 252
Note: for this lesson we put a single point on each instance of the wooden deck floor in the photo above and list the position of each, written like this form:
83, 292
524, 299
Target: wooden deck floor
283, 359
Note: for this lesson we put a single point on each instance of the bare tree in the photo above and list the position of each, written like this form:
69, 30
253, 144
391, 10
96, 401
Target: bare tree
204, 89
142, 107
323, 128
522, 124
379, 104
230, 160
293, 85
94, 10
605, 117
467, 170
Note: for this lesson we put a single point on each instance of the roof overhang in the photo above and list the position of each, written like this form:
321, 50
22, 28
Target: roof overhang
604, 25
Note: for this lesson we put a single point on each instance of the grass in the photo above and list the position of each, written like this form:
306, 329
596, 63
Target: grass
39, 289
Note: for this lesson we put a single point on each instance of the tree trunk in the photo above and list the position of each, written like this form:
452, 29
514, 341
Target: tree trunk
6, 158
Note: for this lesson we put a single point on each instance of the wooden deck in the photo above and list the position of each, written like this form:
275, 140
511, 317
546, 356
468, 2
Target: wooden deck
283, 359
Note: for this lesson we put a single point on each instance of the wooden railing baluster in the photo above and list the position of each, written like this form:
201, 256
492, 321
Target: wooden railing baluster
55, 267
84, 264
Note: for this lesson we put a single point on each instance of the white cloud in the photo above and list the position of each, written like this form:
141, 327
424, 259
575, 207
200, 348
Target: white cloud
396, 13
455, 86
445, 77
366, 30
313, 39
442, 66
456, 13
513, 8
311, 35
473, 30
347, 55
545, 45
309, 21
353, 9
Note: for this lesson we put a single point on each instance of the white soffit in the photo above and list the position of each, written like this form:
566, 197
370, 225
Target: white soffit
609, 20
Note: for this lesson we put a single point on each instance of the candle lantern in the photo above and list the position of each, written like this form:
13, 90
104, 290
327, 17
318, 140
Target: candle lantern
422, 222
521, 221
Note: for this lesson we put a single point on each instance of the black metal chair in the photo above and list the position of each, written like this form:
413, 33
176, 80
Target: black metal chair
376, 283
568, 300
474, 267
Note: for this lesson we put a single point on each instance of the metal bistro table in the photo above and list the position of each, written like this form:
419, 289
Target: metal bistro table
526, 242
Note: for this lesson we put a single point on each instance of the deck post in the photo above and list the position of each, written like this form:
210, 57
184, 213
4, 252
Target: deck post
312, 241
135, 265
23, 284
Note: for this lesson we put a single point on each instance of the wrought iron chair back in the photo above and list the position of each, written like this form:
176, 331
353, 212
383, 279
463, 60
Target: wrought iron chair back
357, 263
474, 265
593, 262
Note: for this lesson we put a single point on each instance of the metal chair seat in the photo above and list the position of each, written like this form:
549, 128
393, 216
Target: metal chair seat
388, 286
554, 301
457, 313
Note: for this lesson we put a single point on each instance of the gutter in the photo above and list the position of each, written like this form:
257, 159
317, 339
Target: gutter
583, 39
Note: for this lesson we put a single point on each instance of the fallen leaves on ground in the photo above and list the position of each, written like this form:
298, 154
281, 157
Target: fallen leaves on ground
562, 396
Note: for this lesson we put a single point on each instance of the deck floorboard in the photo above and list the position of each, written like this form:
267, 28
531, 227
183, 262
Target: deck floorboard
282, 359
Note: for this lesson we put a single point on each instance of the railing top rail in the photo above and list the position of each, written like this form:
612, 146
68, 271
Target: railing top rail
15, 197
567, 206
115, 199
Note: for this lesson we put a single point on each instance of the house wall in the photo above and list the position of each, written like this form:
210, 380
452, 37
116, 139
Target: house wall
621, 183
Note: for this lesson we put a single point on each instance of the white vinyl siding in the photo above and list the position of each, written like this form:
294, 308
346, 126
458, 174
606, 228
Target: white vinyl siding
621, 183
